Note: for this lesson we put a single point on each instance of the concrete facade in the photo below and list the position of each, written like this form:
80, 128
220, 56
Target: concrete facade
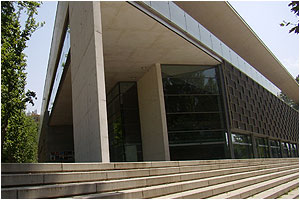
88, 83
152, 116
112, 42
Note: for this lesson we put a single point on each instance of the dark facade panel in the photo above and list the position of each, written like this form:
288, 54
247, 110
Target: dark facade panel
254, 109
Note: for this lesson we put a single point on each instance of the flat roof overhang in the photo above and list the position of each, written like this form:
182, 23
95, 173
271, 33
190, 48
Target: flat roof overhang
132, 43
225, 23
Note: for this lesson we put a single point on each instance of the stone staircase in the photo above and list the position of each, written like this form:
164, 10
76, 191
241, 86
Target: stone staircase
221, 179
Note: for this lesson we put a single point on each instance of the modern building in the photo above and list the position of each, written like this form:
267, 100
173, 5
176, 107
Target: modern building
155, 81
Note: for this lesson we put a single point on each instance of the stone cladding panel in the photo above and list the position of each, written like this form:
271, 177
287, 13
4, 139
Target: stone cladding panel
254, 109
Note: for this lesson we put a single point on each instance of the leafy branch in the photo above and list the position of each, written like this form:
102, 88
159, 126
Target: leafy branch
295, 10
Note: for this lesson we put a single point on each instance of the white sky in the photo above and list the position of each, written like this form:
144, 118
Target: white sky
263, 17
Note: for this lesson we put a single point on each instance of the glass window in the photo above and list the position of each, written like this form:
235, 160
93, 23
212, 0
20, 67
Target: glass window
189, 80
181, 137
63, 63
262, 147
294, 150
123, 123
209, 103
275, 149
242, 146
285, 149
197, 152
194, 121
194, 112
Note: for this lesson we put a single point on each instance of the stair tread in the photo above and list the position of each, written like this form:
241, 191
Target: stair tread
138, 178
131, 170
22, 168
247, 189
294, 194
198, 190
183, 183
282, 187
179, 179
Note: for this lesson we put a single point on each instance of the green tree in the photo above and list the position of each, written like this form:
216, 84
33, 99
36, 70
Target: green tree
13, 77
21, 142
295, 10
289, 101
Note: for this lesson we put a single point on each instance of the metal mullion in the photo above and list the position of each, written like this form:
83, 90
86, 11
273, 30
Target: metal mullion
180, 113
206, 130
181, 95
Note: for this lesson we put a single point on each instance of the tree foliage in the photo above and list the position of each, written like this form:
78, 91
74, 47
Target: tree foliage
295, 10
14, 35
21, 142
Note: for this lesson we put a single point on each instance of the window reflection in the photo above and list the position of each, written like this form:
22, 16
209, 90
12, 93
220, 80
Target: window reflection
275, 149
262, 147
192, 103
194, 112
285, 149
294, 150
242, 146
123, 123
60, 69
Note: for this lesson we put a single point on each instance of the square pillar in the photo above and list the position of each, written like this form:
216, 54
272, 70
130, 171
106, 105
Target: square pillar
153, 116
88, 83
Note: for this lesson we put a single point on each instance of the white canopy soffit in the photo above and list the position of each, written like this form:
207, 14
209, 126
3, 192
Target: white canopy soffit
225, 23
133, 41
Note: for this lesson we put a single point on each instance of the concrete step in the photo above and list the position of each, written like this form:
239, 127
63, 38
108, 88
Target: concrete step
68, 177
228, 186
135, 180
277, 191
115, 185
261, 190
294, 194
72, 167
60, 190
178, 187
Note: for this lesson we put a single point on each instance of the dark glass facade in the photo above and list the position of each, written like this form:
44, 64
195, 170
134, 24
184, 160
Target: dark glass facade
196, 120
124, 123
275, 149
294, 151
285, 149
262, 147
242, 146
194, 112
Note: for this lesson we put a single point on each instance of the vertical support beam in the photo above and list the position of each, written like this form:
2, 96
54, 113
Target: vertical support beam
88, 83
153, 116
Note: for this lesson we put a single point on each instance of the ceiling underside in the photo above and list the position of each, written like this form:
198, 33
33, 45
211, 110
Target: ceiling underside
132, 42
62, 110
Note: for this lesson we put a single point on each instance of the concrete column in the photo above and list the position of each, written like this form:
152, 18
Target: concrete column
88, 83
153, 116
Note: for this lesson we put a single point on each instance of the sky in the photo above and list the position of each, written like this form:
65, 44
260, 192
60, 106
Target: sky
263, 17
38, 53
